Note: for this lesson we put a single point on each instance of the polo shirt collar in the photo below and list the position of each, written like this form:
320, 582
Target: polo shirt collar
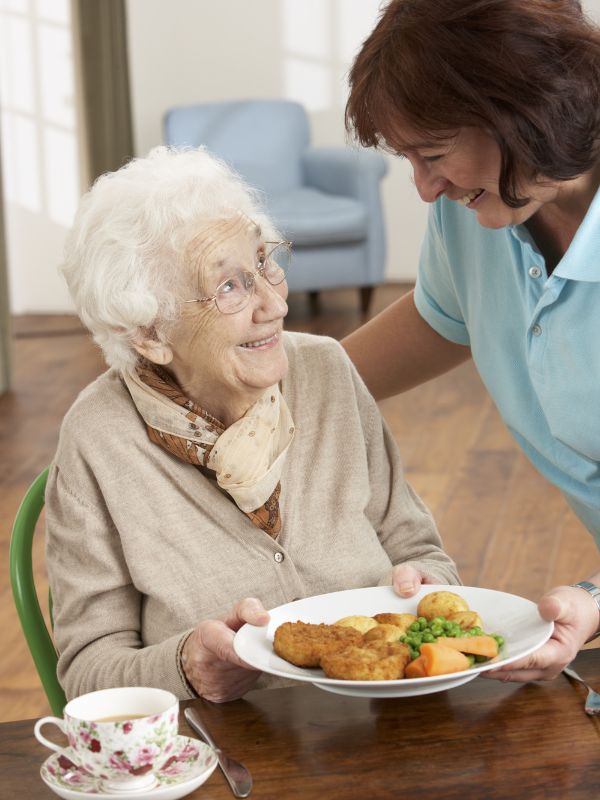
581, 262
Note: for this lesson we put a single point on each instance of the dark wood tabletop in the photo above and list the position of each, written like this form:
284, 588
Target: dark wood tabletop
484, 740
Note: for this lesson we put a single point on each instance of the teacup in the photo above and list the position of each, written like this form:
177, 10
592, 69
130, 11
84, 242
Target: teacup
122, 736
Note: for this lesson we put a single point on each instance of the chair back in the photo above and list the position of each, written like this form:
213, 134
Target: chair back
30, 614
263, 140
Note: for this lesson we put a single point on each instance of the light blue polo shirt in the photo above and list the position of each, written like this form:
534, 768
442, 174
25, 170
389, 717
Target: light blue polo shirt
535, 339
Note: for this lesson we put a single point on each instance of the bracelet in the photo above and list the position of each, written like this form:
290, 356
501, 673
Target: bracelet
594, 591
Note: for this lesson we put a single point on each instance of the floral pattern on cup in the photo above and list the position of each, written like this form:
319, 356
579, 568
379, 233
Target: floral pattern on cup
113, 751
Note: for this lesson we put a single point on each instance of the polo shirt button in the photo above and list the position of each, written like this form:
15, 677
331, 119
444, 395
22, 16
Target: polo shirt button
535, 272
279, 557
536, 330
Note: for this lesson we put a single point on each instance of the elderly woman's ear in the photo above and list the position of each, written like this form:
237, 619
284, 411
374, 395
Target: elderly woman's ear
148, 345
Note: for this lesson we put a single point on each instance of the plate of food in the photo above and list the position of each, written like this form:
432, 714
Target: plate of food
372, 643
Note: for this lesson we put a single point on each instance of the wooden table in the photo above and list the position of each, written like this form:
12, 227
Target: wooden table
484, 740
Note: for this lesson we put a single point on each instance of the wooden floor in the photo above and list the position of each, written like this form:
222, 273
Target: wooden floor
503, 524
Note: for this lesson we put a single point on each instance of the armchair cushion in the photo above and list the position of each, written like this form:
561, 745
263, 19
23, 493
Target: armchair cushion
343, 170
312, 218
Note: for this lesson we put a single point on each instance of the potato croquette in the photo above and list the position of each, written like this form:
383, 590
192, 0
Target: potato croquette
402, 621
362, 624
384, 633
380, 661
303, 644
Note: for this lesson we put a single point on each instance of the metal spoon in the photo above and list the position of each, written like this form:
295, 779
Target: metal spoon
236, 774
592, 703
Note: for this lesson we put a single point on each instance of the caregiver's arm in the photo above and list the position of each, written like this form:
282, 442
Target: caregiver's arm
397, 350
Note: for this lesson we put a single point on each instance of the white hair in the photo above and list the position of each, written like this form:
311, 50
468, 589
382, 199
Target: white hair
124, 257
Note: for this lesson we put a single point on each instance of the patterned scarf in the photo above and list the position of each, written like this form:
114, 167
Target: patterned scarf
247, 457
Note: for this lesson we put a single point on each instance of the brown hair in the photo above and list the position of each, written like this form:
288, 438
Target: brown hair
526, 70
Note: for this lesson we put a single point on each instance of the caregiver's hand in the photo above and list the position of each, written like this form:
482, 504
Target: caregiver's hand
209, 661
575, 616
407, 580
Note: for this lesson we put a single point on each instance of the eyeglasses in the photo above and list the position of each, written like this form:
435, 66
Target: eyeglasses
235, 292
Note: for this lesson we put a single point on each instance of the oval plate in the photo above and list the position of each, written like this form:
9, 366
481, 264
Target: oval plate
513, 617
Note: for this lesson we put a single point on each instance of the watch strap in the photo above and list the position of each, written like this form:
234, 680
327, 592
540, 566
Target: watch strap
594, 591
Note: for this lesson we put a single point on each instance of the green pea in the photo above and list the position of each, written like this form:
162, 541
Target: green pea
437, 630
415, 627
428, 637
422, 622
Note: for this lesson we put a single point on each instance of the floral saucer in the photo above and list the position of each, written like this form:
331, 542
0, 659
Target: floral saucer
191, 764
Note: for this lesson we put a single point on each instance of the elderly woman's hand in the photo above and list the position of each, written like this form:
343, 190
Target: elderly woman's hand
407, 580
575, 616
210, 663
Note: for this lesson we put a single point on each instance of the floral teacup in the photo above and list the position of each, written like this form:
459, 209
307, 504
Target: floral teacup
122, 736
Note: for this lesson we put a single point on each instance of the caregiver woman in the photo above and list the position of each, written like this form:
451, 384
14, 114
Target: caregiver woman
496, 105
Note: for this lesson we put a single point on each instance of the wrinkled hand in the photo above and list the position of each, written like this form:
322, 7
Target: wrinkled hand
407, 580
575, 616
209, 661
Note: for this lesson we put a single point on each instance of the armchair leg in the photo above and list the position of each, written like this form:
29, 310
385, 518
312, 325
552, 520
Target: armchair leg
366, 293
313, 303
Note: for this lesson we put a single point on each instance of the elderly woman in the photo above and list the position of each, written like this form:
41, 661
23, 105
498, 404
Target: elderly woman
496, 106
219, 467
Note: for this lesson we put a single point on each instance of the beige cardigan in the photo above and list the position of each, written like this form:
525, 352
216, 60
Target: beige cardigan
141, 546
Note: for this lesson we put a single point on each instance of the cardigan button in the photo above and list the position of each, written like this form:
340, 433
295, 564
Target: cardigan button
278, 557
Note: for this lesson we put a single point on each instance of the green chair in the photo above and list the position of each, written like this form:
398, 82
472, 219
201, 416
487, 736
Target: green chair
34, 627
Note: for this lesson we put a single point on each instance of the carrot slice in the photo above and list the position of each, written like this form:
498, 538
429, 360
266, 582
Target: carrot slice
416, 668
475, 645
441, 660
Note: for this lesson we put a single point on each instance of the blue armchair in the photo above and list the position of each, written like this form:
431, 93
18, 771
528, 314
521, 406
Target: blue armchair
325, 199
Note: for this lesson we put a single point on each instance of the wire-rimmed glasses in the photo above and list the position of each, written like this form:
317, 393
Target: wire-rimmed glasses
234, 293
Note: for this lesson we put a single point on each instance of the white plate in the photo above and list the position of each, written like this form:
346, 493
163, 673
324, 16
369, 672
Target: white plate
513, 617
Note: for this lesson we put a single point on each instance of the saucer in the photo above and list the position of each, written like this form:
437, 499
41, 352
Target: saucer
191, 763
